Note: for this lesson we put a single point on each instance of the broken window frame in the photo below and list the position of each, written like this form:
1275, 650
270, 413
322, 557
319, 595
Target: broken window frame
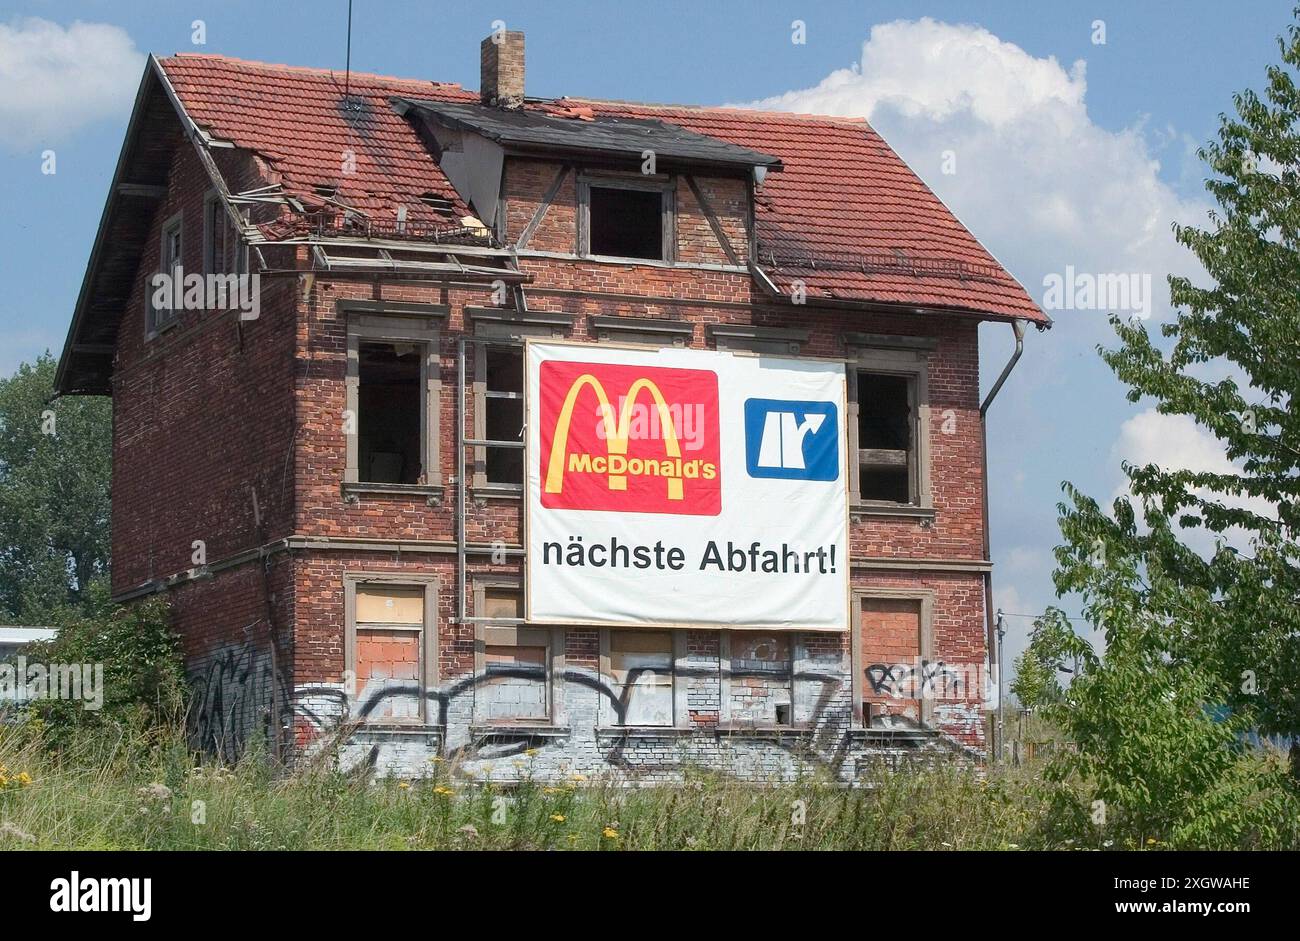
234, 253
427, 672
483, 397
159, 319
512, 632
499, 326
912, 366
663, 184
392, 328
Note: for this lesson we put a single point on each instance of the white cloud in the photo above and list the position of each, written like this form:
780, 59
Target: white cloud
1043, 186
1036, 179
1176, 442
54, 80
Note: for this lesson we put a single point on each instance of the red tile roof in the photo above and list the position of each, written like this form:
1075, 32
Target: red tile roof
846, 216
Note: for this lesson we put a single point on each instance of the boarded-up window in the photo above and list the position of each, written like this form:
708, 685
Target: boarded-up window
761, 675
502, 603
641, 674
517, 683
389, 652
516, 663
891, 658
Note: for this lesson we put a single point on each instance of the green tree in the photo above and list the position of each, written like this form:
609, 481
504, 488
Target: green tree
1036, 684
140, 656
1157, 759
1199, 646
55, 457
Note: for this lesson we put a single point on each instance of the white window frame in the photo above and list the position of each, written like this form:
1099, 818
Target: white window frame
159, 319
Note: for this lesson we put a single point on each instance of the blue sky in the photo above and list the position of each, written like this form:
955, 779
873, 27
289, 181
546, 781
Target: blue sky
1057, 163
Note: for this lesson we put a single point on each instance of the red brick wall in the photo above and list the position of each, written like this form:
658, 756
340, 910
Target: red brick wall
527, 182
202, 414
206, 415
891, 639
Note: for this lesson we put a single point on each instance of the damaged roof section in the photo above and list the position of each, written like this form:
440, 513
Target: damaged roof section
588, 134
340, 151
845, 221
375, 162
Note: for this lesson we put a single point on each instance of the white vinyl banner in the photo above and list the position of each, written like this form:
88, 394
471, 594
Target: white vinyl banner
682, 487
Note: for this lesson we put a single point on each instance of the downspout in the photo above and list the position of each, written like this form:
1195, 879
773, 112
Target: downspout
991, 641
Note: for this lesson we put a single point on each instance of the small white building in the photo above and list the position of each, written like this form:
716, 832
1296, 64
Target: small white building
14, 639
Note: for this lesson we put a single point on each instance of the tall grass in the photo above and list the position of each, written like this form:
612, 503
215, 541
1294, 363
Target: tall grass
138, 790
145, 790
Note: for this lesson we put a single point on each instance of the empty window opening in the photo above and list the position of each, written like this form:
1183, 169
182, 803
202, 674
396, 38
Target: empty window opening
504, 414
641, 675
389, 645
388, 419
626, 223
886, 453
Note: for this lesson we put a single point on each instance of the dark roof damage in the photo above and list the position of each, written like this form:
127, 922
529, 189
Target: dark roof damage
616, 137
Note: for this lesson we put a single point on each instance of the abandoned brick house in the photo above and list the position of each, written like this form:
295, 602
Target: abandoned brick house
327, 483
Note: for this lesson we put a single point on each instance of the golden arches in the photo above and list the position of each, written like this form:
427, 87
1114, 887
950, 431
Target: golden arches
616, 434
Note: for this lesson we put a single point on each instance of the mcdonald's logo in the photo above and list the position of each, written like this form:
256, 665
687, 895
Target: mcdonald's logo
631, 439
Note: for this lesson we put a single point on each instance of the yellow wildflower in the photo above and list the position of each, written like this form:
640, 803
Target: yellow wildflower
611, 833
558, 818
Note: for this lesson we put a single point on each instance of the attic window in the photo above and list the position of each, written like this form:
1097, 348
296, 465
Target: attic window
627, 219
327, 191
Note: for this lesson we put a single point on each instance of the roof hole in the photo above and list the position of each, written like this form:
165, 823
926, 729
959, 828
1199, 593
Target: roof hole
437, 203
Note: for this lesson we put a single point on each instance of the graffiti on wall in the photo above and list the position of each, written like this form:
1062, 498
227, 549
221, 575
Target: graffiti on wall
924, 679
234, 700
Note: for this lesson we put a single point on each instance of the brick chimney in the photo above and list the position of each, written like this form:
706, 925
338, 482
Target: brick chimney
501, 70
